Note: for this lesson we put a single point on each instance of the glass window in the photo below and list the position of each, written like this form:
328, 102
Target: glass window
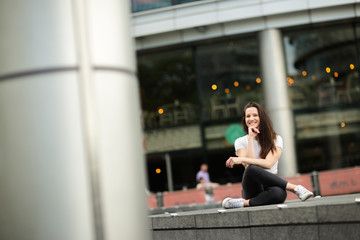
229, 77
144, 5
324, 88
321, 67
168, 89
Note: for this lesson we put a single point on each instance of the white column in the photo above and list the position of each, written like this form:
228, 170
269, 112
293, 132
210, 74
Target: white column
276, 96
71, 158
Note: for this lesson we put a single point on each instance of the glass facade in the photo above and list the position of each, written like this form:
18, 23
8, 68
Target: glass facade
145, 5
324, 87
168, 88
192, 100
229, 75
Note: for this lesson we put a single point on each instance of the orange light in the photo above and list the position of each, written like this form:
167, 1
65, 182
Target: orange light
342, 124
304, 73
236, 83
352, 66
336, 74
161, 111
227, 90
214, 87
158, 170
258, 80
290, 81
328, 70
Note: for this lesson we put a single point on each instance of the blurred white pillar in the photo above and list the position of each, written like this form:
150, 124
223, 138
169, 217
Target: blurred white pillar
276, 96
71, 158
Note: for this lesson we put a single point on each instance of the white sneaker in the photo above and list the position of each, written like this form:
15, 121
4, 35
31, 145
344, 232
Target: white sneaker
233, 203
303, 193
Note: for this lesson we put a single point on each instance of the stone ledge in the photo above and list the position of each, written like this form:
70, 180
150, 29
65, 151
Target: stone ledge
317, 218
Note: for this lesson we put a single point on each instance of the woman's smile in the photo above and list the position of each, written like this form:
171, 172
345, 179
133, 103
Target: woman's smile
252, 118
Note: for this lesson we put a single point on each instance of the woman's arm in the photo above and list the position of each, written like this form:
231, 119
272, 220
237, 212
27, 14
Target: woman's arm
243, 152
268, 162
248, 152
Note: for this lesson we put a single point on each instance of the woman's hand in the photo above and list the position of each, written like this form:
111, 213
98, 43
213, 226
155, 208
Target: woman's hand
232, 161
253, 131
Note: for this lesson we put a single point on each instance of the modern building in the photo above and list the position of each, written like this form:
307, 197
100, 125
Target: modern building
200, 62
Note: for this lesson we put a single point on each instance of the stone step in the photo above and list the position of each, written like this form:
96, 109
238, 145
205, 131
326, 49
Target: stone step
335, 217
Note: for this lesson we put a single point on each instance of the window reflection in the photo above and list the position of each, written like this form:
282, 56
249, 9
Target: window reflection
318, 62
144, 5
228, 74
324, 89
168, 89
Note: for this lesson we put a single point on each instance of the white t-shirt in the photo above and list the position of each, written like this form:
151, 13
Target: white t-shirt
242, 142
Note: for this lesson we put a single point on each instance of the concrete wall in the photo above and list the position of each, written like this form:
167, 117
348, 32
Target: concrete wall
218, 18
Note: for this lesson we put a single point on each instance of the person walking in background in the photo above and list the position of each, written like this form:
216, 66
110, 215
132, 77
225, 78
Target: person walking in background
204, 182
203, 173
259, 152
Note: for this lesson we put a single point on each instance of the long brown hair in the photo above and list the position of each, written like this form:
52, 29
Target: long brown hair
267, 135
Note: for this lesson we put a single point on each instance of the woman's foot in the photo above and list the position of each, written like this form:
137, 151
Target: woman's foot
303, 193
233, 203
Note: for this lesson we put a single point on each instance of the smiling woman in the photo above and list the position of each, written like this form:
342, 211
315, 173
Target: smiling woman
259, 152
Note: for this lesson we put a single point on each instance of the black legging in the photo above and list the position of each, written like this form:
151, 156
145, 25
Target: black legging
263, 187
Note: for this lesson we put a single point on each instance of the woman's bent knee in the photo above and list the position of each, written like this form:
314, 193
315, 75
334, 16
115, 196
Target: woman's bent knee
278, 195
253, 169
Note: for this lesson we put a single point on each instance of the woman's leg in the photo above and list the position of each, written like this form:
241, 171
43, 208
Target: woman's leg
258, 176
261, 187
271, 195
251, 188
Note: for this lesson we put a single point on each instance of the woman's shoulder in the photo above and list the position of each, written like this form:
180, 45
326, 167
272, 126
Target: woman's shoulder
241, 140
279, 141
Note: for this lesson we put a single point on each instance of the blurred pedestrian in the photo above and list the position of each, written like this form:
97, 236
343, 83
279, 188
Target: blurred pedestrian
203, 173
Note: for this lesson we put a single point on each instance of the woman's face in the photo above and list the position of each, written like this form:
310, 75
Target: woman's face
252, 118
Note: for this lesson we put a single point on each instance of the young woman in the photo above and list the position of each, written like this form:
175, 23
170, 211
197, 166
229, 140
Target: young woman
259, 152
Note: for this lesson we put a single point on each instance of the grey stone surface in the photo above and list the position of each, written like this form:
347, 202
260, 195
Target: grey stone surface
339, 213
348, 231
293, 232
224, 234
301, 232
176, 222
261, 233
289, 215
185, 208
325, 218
226, 219
174, 235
